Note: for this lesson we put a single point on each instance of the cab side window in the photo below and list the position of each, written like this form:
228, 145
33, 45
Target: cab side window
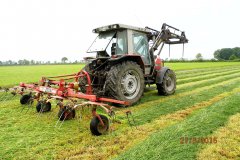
121, 46
140, 46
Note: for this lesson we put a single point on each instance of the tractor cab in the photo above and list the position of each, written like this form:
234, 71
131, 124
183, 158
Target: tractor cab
118, 40
125, 63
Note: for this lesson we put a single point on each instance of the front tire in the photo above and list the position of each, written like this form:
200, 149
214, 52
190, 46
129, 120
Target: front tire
168, 85
125, 81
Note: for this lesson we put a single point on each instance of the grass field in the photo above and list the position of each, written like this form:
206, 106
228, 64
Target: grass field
206, 105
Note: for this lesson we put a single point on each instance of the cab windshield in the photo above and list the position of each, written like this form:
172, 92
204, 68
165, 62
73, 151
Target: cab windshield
101, 42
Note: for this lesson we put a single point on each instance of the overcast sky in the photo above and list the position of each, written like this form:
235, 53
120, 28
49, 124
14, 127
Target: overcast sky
50, 29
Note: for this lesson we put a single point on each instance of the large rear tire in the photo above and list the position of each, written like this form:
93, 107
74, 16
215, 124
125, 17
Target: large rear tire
168, 85
125, 81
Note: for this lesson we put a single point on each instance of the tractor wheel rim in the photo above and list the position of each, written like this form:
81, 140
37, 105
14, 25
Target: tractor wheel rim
130, 84
169, 83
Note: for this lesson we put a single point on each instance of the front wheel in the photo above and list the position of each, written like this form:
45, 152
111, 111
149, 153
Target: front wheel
168, 85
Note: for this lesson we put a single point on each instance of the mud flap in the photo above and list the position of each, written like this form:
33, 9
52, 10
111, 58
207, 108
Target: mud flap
160, 75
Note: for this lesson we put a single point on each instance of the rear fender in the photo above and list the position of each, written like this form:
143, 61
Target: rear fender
160, 74
134, 58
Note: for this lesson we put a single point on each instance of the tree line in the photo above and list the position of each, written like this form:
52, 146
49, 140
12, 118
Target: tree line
227, 54
224, 54
64, 60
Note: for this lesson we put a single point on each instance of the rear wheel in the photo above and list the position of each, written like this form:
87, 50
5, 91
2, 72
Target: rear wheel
97, 128
168, 85
125, 82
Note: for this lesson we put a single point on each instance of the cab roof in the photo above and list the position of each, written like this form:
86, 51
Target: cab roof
118, 27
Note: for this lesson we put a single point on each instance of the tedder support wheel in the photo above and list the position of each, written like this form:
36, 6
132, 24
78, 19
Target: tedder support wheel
25, 99
168, 85
66, 113
125, 81
43, 107
97, 128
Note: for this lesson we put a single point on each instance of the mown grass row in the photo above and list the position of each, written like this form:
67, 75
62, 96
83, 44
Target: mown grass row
199, 72
199, 65
44, 141
182, 90
165, 144
228, 142
100, 146
164, 105
197, 78
125, 138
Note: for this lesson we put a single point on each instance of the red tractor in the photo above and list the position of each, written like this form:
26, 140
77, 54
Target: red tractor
126, 61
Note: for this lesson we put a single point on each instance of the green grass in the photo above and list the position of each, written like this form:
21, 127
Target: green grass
13, 75
175, 104
197, 65
228, 135
27, 135
165, 144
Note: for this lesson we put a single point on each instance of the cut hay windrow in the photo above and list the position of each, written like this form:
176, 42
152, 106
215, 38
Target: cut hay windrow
207, 76
198, 65
70, 141
204, 72
228, 142
185, 86
130, 137
166, 143
220, 82
193, 85
92, 152
29, 135
191, 70
150, 112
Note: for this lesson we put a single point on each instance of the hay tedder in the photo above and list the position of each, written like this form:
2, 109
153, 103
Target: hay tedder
124, 64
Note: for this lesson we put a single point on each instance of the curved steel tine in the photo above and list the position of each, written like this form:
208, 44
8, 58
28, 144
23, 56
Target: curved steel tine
30, 102
58, 120
64, 119
41, 110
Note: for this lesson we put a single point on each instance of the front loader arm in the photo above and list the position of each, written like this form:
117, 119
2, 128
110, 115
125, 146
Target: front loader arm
167, 35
